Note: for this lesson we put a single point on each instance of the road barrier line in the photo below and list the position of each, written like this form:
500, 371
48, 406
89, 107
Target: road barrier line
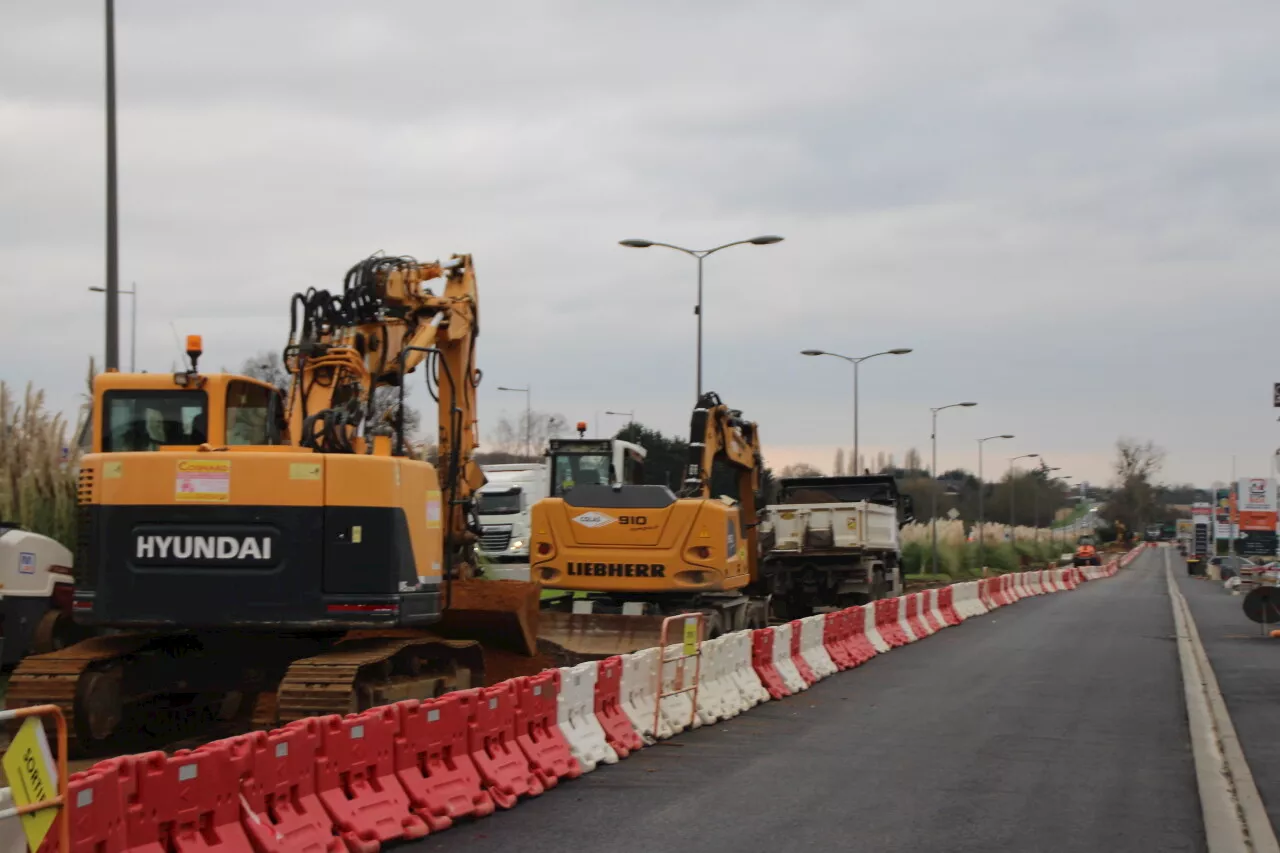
1235, 820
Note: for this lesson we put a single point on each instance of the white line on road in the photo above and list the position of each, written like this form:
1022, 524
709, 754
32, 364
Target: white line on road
1234, 818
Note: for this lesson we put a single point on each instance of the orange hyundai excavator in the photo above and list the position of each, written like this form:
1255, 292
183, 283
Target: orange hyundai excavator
286, 557
634, 554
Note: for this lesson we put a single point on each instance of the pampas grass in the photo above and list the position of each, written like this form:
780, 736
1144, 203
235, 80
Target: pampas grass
38, 466
959, 557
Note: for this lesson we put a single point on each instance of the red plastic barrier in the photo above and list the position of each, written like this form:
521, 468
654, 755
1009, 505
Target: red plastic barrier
356, 779
97, 809
277, 781
618, 730
802, 665
1000, 591
986, 593
928, 602
918, 627
537, 731
433, 763
189, 801
835, 638
887, 622
762, 663
492, 744
947, 605
859, 644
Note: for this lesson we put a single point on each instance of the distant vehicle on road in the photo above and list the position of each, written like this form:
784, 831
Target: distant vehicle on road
1086, 552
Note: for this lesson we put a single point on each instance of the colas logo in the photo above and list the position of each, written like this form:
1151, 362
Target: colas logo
594, 519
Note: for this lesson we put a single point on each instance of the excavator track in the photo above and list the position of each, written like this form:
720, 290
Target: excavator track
372, 668
55, 678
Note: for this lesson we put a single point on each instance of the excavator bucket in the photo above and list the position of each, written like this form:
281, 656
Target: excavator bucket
571, 638
502, 615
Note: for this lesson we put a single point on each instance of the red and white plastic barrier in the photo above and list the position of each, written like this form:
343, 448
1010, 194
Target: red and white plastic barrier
577, 718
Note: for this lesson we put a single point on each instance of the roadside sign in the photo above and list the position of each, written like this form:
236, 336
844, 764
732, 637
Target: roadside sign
953, 513
28, 765
1276, 392
690, 636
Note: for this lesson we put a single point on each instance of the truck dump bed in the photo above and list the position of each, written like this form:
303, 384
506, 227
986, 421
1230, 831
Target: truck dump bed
817, 514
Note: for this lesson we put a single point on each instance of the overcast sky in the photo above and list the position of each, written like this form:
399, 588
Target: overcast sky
1070, 210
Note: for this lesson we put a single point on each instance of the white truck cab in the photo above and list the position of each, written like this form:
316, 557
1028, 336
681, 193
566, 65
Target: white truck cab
503, 504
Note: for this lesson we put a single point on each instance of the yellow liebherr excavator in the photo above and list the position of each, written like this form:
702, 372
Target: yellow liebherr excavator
640, 553
288, 554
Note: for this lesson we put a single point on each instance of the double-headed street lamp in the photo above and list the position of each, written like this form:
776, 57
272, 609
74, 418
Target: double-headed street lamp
700, 254
933, 492
133, 323
855, 362
982, 486
528, 416
1012, 535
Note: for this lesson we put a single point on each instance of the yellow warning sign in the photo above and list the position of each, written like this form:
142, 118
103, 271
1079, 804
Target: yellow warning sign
206, 480
28, 764
433, 510
113, 470
691, 636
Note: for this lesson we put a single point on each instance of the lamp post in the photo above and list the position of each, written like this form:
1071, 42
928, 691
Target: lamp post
133, 323
112, 289
1013, 536
700, 254
982, 487
933, 492
855, 361
528, 416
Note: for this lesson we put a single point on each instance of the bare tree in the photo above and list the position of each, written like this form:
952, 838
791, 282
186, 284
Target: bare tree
912, 461
526, 434
267, 366
839, 467
1136, 499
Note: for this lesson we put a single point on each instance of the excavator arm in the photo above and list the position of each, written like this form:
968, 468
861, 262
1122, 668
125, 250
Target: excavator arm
720, 433
349, 352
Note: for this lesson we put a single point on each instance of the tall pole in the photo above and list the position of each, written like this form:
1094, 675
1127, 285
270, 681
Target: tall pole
698, 310
1231, 517
1012, 535
528, 420
133, 331
112, 361
982, 487
933, 491
933, 521
857, 464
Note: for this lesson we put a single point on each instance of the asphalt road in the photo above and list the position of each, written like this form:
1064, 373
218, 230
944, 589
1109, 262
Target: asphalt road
1246, 662
1057, 724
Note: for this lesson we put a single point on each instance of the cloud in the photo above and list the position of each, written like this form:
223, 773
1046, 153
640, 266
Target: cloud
1069, 209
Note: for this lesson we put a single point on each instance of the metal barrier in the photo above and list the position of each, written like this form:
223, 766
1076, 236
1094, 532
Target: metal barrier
692, 625
60, 800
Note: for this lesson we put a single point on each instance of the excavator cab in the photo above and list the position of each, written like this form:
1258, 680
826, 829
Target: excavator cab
593, 462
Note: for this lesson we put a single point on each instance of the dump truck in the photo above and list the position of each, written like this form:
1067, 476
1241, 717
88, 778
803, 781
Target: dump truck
832, 542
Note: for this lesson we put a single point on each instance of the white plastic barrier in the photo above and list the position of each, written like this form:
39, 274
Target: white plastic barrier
718, 697
575, 712
812, 648
904, 622
741, 670
873, 633
677, 709
973, 604
931, 601
639, 693
782, 659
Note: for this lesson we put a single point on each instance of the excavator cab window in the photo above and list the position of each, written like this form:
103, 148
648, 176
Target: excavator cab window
250, 414
145, 420
580, 469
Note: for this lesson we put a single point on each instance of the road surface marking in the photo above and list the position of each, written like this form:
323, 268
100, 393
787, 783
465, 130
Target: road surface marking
1234, 818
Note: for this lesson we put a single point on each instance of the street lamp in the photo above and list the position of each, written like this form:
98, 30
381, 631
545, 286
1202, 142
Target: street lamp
933, 492
133, 323
112, 289
528, 416
1012, 535
982, 486
855, 362
630, 416
764, 240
